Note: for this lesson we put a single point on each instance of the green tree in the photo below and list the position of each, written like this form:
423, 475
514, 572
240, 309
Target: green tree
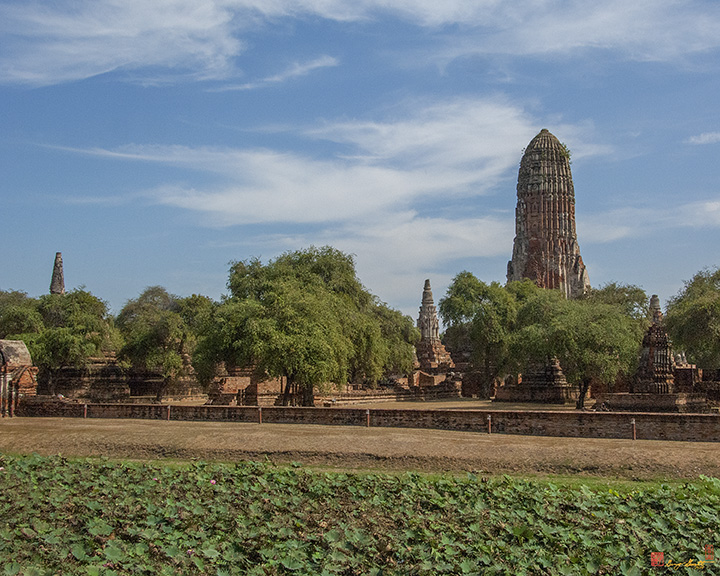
631, 299
65, 330
480, 319
305, 317
693, 319
156, 327
593, 341
19, 314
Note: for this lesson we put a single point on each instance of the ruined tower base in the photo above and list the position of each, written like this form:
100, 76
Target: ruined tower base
681, 403
542, 385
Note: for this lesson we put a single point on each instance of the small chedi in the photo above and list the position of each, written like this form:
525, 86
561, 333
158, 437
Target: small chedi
656, 373
431, 353
546, 249
545, 384
654, 388
17, 376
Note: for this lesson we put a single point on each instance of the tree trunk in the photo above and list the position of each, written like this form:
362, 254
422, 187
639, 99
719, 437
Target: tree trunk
584, 387
287, 394
308, 395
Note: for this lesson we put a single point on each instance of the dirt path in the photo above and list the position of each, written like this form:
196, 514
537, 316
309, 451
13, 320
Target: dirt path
361, 448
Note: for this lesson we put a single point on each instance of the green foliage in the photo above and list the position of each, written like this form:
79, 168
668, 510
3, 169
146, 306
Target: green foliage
481, 319
160, 331
18, 314
59, 330
631, 299
693, 319
510, 328
592, 340
305, 317
96, 517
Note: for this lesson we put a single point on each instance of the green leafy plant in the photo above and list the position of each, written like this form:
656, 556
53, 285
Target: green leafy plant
99, 517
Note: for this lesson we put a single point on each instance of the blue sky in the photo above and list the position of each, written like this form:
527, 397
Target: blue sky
155, 142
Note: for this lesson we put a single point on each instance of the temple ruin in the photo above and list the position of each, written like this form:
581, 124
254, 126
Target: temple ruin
546, 249
654, 388
656, 372
17, 375
431, 353
57, 284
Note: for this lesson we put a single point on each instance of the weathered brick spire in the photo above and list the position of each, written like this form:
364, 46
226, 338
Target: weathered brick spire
431, 354
656, 373
428, 322
546, 248
57, 284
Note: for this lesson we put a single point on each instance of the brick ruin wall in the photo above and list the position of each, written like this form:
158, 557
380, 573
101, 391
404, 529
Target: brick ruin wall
679, 427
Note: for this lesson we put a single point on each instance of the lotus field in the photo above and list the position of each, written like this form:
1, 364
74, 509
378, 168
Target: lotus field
100, 517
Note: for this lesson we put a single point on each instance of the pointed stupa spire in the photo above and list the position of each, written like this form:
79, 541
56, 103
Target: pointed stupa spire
427, 297
431, 354
546, 248
655, 310
57, 284
428, 322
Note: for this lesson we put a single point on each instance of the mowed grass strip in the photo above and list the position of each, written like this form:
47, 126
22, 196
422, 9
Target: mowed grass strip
99, 517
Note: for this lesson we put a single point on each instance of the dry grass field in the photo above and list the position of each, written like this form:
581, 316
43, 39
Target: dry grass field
354, 448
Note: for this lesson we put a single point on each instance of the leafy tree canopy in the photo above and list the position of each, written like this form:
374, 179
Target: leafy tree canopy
509, 328
630, 298
592, 340
60, 330
305, 316
693, 319
160, 331
18, 314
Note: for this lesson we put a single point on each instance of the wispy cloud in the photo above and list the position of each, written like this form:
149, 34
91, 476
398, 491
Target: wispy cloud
455, 149
704, 138
297, 70
632, 222
70, 40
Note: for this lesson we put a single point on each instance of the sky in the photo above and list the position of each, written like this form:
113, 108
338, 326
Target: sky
153, 143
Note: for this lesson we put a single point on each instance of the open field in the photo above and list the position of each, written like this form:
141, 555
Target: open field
360, 448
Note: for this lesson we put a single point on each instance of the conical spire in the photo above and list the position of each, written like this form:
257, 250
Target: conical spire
428, 322
431, 354
57, 284
546, 248
655, 310
427, 297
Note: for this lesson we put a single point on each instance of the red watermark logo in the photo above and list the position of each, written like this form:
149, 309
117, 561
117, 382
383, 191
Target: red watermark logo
657, 558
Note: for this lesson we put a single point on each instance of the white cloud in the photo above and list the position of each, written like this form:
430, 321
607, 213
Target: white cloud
460, 148
703, 214
49, 43
46, 44
632, 222
705, 138
297, 70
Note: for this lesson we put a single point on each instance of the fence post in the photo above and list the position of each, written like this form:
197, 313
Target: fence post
85, 410
367, 418
168, 412
633, 428
489, 424
259, 414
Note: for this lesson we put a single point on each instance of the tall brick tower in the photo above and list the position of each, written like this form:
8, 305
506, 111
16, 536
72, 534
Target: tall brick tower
57, 284
546, 248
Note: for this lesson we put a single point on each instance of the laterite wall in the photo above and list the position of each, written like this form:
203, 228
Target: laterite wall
685, 427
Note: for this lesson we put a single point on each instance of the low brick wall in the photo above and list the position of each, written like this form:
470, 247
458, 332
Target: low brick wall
682, 427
